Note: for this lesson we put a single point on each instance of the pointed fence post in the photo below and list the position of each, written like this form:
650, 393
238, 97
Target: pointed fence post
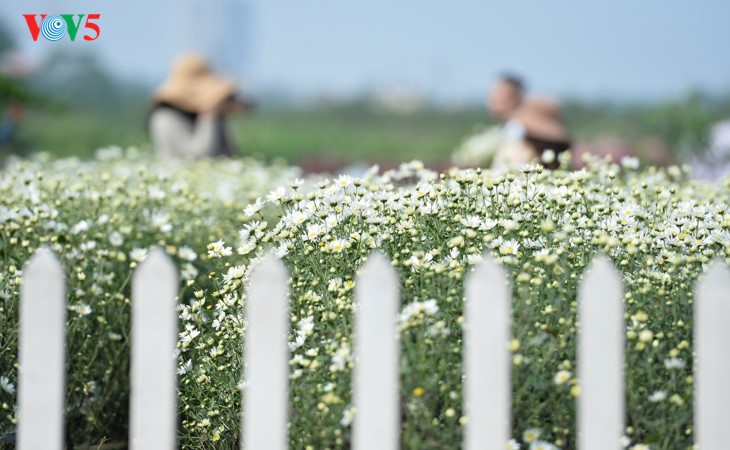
487, 362
377, 381
153, 418
42, 374
601, 357
266, 359
712, 368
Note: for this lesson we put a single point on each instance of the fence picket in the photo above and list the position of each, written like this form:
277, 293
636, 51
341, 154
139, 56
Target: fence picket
601, 357
487, 363
712, 340
153, 390
42, 354
377, 380
266, 372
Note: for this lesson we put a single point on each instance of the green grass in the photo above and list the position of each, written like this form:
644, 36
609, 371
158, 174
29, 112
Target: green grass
351, 135
78, 134
293, 135
356, 132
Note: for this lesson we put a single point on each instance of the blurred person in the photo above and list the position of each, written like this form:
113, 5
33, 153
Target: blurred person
505, 97
188, 117
544, 137
529, 130
714, 163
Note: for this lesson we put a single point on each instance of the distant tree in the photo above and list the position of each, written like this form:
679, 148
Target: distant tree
685, 124
8, 88
81, 80
13, 89
7, 42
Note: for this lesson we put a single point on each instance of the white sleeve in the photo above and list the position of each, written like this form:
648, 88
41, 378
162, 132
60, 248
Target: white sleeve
513, 129
174, 138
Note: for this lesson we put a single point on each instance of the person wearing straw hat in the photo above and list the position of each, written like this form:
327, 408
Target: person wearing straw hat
187, 121
544, 136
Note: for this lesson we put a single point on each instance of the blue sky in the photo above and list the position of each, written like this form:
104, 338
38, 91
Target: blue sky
620, 49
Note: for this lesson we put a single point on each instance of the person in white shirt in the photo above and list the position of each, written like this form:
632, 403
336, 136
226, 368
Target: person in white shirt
188, 117
529, 127
505, 96
543, 136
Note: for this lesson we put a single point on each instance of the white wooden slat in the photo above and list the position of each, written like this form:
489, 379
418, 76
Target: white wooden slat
377, 381
487, 362
712, 341
42, 354
266, 373
153, 421
601, 358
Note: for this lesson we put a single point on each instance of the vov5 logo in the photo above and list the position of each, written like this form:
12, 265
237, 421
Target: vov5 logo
55, 27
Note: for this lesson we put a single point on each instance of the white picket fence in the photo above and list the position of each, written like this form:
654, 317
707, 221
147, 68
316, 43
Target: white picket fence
487, 360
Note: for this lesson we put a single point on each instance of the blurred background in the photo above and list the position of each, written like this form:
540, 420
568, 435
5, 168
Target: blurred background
339, 82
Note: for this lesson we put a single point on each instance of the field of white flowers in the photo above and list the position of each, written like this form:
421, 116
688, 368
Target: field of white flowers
101, 218
218, 218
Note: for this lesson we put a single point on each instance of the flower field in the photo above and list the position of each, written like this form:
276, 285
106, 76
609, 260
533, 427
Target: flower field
101, 218
218, 218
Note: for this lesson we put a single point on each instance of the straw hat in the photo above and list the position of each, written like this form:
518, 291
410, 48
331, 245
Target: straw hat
191, 86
